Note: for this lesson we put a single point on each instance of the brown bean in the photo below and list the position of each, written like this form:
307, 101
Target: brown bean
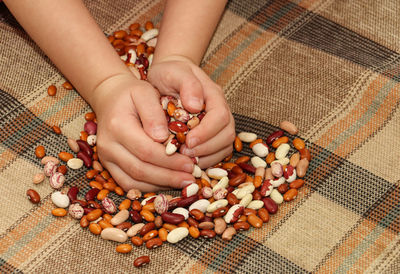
146, 228
241, 226
220, 225
67, 85
243, 159
254, 221
237, 169
94, 215
52, 90
192, 222
153, 243
302, 167
232, 199
270, 205
275, 135
140, 261
136, 205
62, 169
134, 26
59, 212
238, 179
150, 235
206, 225
124, 248
137, 241
56, 130
65, 156
220, 212
84, 222
40, 152
297, 183
172, 218
263, 214
124, 226
305, 153
33, 196
73, 193
90, 116
158, 221
120, 34
163, 233
149, 25
290, 195
283, 188
197, 214
95, 228
228, 233
294, 159
207, 233
194, 232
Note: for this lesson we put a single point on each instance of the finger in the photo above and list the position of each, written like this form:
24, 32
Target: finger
225, 137
210, 160
147, 103
127, 183
182, 80
149, 173
149, 151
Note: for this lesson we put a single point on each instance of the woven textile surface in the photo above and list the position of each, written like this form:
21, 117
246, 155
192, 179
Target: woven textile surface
330, 67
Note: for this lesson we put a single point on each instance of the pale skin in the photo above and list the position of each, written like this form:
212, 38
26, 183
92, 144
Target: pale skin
132, 127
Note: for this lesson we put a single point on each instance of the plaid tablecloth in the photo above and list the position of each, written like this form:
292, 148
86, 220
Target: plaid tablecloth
331, 67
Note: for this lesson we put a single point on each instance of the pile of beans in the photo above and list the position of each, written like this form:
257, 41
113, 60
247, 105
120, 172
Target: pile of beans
226, 198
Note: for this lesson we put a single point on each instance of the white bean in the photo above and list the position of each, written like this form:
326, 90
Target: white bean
247, 137
177, 234
258, 162
282, 151
260, 149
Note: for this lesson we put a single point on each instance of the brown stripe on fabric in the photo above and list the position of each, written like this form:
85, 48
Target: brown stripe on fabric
326, 35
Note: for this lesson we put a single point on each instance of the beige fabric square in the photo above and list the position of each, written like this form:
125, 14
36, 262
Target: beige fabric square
312, 231
380, 146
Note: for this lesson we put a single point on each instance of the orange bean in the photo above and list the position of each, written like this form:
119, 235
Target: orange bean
95, 228
254, 221
149, 25
163, 233
256, 141
147, 215
125, 204
102, 194
124, 248
290, 195
270, 157
56, 130
97, 185
238, 145
119, 191
52, 90
243, 159
299, 144
40, 152
279, 141
59, 212
194, 232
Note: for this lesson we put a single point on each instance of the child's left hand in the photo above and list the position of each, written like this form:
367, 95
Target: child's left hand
212, 139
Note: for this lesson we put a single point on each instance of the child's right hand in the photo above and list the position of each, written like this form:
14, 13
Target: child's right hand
130, 118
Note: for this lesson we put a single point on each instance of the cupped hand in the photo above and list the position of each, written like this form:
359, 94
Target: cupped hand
131, 125
212, 139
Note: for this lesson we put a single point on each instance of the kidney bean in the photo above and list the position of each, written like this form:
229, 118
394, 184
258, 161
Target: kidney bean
56, 130
275, 135
172, 218
263, 214
207, 233
290, 195
288, 127
254, 220
114, 234
247, 167
220, 212
187, 201
305, 153
241, 226
147, 215
84, 222
140, 261
249, 211
150, 235
228, 233
163, 234
87, 210
80, 202
123, 248
280, 141
85, 158
95, 228
232, 199
94, 214
59, 212
124, 226
137, 241
242, 159
146, 228
91, 194
197, 214
169, 227
206, 225
283, 188
40, 152
33, 196
238, 179
256, 195
270, 205
192, 222
153, 243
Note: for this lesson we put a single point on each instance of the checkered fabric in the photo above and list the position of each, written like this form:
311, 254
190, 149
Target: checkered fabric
330, 67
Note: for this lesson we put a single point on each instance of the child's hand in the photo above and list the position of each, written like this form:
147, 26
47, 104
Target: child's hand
212, 139
130, 118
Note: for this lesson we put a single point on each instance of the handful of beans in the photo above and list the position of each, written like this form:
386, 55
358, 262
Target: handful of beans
226, 198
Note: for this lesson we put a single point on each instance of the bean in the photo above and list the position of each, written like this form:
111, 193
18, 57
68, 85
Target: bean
177, 235
67, 85
153, 243
33, 196
124, 226
158, 221
206, 225
232, 199
220, 212
288, 127
283, 188
124, 248
59, 199
305, 153
220, 225
228, 233
38, 178
207, 233
56, 130
247, 137
280, 141
290, 195
263, 214
297, 183
47, 159
114, 234
275, 135
242, 159
102, 194
298, 144
52, 90
62, 169
120, 217
73, 193
95, 228
238, 144
302, 167
197, 214
137, 241
260, 149
270, 205
150, 235
140, 261
40, 152
238, 179
187, 201
94, 215
294, 159
75, 163
104, 224
241, 226
146, 228
255, 221
172, 218
163, 234
201, 205
65, 156
194, 232
84, 222
110, 207
87, 161
133, 230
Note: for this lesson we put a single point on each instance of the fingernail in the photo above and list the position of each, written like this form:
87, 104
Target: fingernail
185, 183
159, 132
189, 152
188, 168
192, 142
195, 103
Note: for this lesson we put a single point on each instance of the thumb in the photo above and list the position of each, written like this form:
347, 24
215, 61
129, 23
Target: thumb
152, 116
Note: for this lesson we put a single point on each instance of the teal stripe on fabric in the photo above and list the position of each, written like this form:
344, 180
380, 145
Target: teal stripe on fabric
369, 240
23, 132
366, 117
27, 238
247, 42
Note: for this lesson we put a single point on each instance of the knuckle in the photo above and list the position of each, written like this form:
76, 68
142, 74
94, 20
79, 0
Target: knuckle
224, 116
144, 153
135, 171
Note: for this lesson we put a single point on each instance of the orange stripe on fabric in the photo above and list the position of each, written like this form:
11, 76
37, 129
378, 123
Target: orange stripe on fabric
356, 113
307, 3
7, 156
151, 13
372, 125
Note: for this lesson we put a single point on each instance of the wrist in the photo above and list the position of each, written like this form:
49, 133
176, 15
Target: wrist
173, 57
